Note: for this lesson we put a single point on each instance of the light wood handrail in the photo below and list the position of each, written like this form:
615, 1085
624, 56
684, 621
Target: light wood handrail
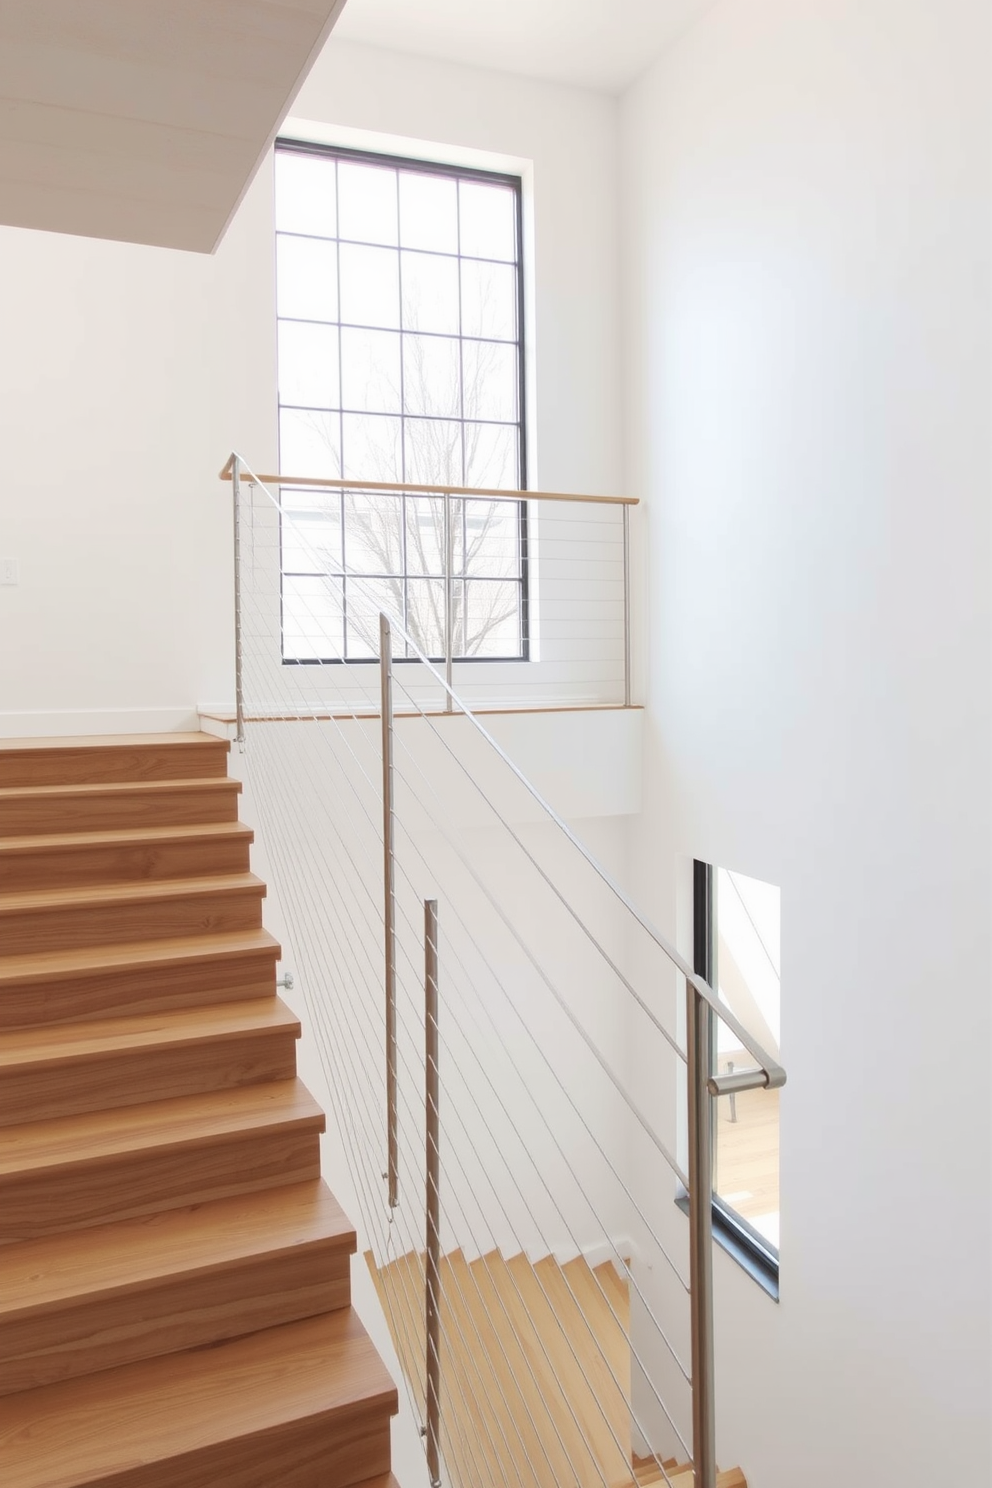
398, 488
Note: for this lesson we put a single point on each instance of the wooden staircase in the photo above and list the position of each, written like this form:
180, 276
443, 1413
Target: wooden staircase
174, 1276
535, 1369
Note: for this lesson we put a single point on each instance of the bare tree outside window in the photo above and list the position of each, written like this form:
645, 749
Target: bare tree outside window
399, 360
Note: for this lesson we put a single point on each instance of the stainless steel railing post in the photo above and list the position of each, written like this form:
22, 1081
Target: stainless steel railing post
389, 904
626, 606
239, 690
433, 1195
699, 1043
449, 619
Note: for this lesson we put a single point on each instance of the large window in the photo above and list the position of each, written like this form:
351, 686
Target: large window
400, 360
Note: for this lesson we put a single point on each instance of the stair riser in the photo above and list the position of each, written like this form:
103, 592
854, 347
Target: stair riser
319, 1451
106, 1081
123, 991
47, 1201
118, 923
181, 1312
93, 765
111, 811
66, 867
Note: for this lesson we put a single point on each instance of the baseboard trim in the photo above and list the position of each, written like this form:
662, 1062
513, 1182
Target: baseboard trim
61, 723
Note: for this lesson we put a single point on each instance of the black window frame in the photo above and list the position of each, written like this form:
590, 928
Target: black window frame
468, 173
730, 1230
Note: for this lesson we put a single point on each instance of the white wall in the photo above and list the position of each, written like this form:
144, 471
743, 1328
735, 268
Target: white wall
807, 227
129, 373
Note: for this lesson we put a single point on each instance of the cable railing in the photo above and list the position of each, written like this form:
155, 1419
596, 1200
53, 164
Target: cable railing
502, 1036
521, 598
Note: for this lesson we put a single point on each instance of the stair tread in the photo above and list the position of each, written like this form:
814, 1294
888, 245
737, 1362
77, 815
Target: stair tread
110, 741
60, 1042
91, 1427
156, 1125
115, 1258
123, 837
49, 965
82, 897
118, 788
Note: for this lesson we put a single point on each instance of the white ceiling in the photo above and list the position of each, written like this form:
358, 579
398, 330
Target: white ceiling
144, 120
591, 43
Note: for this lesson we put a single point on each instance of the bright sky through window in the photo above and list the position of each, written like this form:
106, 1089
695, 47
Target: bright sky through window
400, 359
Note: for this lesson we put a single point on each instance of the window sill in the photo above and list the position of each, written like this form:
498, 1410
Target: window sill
759, 1266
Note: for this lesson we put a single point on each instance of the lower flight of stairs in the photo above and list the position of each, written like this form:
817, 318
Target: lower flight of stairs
535, 1370
174, 1276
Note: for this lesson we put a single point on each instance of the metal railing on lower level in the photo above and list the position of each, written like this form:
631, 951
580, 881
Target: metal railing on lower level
508, 1042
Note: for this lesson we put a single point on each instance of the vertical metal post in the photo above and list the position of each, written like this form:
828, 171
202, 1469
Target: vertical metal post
699, 1043
449, 616
626, 606
239, 691
433, 1196
389, 903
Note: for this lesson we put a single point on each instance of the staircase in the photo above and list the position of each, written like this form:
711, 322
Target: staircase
536, 1363
174, 1276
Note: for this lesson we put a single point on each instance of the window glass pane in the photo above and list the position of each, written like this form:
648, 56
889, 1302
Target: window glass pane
492, 537
430, 293
489, 300
370, 371
309, 443
490, 373
373, 447
311, 531
425, 615
373, 540
493, 618
312, 627
488, 218
308, 364
433, 451
431, 375
364, 600
370, 286
428, 212
367, 202
746, 1177
492, 456
306, 278
424, 534
305, 193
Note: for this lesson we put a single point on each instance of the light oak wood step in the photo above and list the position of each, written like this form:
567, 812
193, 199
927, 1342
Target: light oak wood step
305, 1405
114, 914
63, 860
681, 1476
111, 757
100, 1065
103, 1166
95, 1299
145, 976
34, 810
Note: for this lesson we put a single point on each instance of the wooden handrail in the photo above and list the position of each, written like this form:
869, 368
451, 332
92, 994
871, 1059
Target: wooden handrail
397, 488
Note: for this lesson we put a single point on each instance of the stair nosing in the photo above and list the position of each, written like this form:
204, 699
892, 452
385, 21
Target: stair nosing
82, 743
119, 787
124, 837
145, 891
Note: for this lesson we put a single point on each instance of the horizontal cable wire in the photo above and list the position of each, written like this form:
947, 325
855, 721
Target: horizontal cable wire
662, 1334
